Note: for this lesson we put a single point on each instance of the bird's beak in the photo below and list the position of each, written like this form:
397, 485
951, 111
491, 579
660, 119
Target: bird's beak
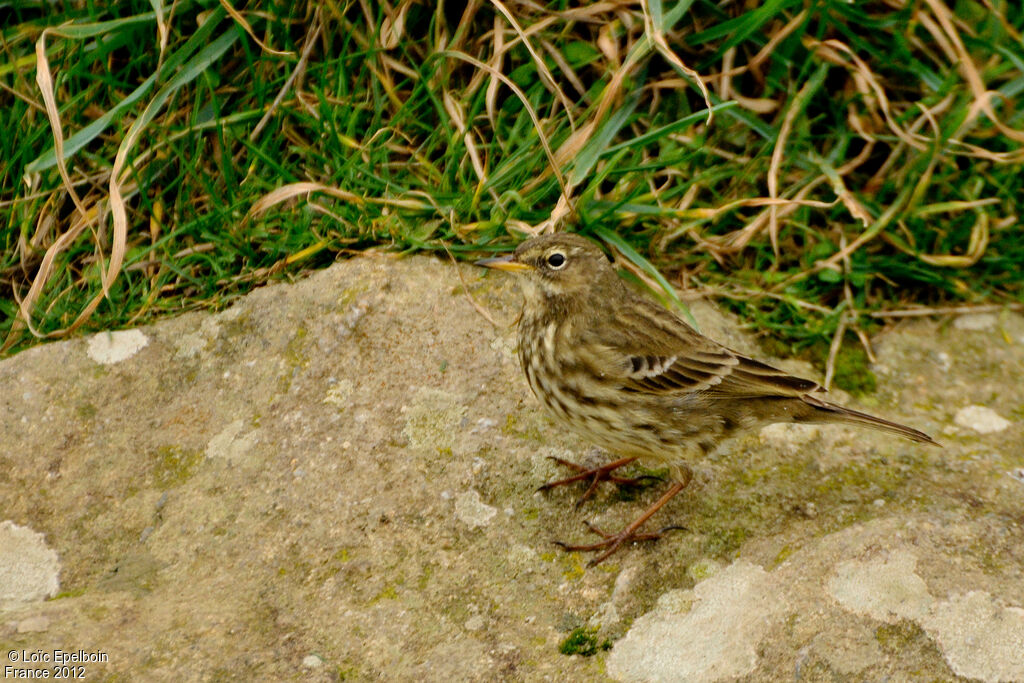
507, 262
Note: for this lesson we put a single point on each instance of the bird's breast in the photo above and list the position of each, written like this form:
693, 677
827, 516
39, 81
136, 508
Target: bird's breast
596, 405
577, 396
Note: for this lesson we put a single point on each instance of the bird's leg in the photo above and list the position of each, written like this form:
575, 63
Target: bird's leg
596, 475
612, 542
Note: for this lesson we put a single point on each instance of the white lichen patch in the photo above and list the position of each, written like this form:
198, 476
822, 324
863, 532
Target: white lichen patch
978, 637
28, 567
711, 633
432, 419
473, 511
976, 321
981, 419
886, 589
312, 662
108, 348
230, 443
339, 394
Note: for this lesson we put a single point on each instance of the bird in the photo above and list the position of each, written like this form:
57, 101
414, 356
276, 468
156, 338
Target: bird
635, 379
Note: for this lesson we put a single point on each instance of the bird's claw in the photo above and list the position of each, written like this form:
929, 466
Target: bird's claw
611, 542
596, 475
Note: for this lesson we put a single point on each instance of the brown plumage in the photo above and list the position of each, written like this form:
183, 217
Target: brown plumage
634, 378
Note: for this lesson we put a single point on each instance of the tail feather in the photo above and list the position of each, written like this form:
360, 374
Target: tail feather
838, 413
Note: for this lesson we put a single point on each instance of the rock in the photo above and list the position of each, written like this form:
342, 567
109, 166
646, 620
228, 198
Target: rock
981, 419
788, 436
711, 634
980, 637
884, 589
108, 348
34, 624
230, 443
308, 484
976, 321
28, 567
472, 511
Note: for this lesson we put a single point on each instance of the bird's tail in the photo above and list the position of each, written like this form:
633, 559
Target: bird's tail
838, 413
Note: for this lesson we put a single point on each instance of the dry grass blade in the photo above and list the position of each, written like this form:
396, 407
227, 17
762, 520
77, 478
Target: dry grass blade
796, 107
465, 288
975, 248
27, 304
44, 79
740, 239
292, 190
947, 310
162, 25
494, 83
85, 218
542, 68
303, 58
657, 37
237, 16
983, 98
832, 50
874, 148
392, 27
527, 106
833, 351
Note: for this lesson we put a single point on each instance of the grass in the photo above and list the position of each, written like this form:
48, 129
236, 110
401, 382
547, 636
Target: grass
583, 641
863, 162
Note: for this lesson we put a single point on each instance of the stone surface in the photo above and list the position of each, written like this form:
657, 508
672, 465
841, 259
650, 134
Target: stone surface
29, 569
471, 510
336, 480
976, 321
981, 419
710, 633
113, 347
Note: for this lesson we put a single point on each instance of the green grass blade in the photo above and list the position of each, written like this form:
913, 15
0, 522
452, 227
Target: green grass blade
87, 134
597, 145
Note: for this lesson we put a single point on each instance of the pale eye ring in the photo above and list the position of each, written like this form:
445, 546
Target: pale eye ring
556, 260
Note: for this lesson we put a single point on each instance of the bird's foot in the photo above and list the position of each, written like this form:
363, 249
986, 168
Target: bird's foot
613, 542
596, 475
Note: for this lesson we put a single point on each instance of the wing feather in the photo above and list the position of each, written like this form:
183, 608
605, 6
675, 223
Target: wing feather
665, 356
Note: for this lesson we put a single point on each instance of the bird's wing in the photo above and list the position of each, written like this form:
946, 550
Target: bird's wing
650, 350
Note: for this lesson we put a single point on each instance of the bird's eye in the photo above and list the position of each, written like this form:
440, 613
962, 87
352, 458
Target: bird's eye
556, 260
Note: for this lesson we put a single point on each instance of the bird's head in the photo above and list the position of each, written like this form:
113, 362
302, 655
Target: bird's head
558, 266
